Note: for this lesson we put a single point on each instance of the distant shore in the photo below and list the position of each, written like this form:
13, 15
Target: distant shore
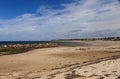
92, 39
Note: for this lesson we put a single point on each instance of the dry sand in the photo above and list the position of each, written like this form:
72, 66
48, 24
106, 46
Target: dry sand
64, 62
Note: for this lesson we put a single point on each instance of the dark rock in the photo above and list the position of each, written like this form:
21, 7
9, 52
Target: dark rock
118, 77
73, 75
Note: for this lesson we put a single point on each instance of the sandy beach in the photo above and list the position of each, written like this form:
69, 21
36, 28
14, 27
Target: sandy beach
100, 61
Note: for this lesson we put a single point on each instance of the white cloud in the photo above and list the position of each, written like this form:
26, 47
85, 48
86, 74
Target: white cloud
82, 16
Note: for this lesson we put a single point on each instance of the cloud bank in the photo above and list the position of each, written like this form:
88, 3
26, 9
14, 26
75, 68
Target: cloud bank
81, 19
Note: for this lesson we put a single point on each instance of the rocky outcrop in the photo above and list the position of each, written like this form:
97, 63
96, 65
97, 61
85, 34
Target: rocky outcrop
30, 45
20, 48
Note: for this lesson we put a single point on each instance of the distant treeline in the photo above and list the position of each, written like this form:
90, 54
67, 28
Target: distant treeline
105, 38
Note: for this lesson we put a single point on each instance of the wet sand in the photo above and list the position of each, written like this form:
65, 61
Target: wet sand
47, 60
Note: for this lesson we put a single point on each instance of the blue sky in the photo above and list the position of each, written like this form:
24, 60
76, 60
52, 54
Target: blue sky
19, 7
58, 19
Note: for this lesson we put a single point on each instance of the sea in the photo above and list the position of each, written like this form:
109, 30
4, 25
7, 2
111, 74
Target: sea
65, 43
22, 42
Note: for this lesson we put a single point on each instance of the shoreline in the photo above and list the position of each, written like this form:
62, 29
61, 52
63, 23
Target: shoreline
61, 62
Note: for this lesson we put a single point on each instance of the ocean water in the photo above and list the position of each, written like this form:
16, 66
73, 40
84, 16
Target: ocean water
42, 42
22, 42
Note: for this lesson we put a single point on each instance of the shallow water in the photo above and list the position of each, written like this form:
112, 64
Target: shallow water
74, 44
